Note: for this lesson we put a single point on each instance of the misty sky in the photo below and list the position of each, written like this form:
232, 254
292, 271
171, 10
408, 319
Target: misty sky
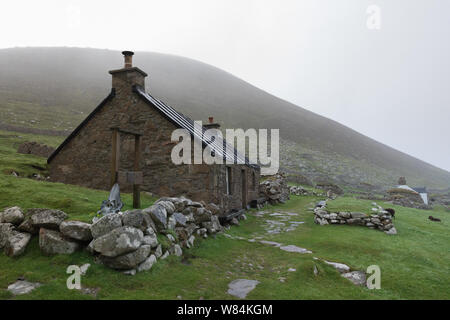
391, 84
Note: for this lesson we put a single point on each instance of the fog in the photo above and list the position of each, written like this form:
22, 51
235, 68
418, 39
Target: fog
390, 83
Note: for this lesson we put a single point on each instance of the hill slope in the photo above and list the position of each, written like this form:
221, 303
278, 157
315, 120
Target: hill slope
55, 88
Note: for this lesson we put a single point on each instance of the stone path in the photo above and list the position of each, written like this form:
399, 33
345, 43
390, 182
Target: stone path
241, 288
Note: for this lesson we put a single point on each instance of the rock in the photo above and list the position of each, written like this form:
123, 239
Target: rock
150, 238
27, 226
131, 272
165, 255
241, 288
234, 222
22, 287
357, 277
6, 229
190, 241
170, 237
129, 260
169, 206
180, 219
17, 243
202, 215
242, 217
292, 248
159, 216
119, 241
271, 243
215, 209
176, 250
47, 218
76, 230
158, 251
106, 224
358, 215
13, 215
345, 215
53, 242
292, 270
391, 231
137, 219
171, 223
342, 268
147, 264
216, 223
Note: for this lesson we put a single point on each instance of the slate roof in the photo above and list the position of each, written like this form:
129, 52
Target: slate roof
219, 146
420, 189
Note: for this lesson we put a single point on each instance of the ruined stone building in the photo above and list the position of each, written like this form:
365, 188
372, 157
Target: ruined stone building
127, 138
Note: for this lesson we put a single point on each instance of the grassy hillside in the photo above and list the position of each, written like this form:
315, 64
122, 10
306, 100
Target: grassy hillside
55, 88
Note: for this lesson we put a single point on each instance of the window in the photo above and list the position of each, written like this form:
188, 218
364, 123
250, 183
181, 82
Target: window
228, 180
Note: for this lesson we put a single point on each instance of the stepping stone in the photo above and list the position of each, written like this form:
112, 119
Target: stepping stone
22, 287
357, 277
241, 288
292, 248
271, 243
296, 222
342, 268
292, 270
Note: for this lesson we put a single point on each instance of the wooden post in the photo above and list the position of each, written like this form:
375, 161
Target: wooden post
115, 155
137, 158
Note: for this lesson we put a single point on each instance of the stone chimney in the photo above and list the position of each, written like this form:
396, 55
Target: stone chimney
211, 124
128, 76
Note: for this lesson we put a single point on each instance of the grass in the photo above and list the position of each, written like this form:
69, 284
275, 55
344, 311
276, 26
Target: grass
414, 263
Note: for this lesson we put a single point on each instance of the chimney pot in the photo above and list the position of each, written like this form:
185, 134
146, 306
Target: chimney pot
211, 120
128, 57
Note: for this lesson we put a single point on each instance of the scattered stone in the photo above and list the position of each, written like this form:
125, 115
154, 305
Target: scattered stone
241, 288
271, 243
391, 231
292, 248
342, 268
22, 287
292, 270
130, 272
84, 268
76, 230
357, 277
53, 242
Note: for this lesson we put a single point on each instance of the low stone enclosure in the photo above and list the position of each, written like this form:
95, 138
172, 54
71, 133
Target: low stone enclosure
131, 241
379, 218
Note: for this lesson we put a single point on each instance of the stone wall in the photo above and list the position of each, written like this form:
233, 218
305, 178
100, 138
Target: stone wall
379, 218
130, 241
275, 189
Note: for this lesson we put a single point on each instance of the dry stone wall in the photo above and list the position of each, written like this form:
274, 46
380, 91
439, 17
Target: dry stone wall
129, 241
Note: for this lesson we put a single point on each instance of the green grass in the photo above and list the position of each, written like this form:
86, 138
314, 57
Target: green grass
414, 264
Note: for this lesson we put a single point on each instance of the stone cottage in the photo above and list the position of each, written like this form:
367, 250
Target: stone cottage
127, 139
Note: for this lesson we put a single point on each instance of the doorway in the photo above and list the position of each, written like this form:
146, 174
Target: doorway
244, 188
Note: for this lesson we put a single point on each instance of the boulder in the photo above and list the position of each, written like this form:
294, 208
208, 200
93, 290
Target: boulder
176, 250
17, 243
215, 209
202, 215
150, 238
169, 206
158, 214
137, 219
391, 231
22, 287
106, 224
158, 251
119, 241
129, 260
47, 218
357, 277
180, 219
13, 215
27, 226
53, 242
76, 230
147, 264
6, 230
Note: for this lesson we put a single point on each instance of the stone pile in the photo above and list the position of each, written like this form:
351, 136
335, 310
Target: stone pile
298, 191
378, 219
275, 189
129, 241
